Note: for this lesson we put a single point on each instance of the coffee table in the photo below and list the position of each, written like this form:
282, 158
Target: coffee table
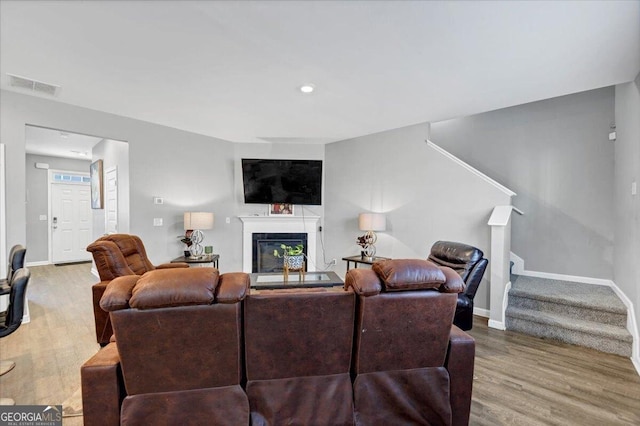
275, 280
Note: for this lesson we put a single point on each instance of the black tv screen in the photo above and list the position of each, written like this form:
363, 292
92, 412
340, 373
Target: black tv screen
268, 181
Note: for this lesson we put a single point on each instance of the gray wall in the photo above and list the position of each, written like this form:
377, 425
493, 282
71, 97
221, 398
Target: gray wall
627, 207
190, 171
113, 154
425, 196
37, 197
556, 156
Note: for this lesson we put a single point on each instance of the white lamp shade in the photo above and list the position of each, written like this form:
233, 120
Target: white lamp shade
198, 220
372, 222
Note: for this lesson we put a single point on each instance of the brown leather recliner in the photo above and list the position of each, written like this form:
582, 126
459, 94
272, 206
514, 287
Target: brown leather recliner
411, 365
298, 355
178, 356
117, 255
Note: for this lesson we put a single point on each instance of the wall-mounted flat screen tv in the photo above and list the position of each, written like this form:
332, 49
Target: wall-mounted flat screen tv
268, 181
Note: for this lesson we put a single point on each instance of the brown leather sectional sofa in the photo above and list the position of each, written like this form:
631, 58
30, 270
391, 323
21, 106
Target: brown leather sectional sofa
194, 347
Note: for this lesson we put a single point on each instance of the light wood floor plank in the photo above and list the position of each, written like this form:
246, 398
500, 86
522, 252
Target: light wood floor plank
519, 380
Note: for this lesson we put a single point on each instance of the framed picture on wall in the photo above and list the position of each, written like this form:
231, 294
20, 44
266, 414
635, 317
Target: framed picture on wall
281, 209
97, 196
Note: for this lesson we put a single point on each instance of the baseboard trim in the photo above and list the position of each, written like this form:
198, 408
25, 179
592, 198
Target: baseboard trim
39, 263
632, 325
562, 277
497, 325
484, 313
636, 363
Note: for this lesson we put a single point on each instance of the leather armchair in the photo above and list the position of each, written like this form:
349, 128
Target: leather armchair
16, 261
178, 356
117, 255
411, 365
468, 261
11, 319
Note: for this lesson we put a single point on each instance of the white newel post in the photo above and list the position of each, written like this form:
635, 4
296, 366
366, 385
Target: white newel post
500, 222
286, 224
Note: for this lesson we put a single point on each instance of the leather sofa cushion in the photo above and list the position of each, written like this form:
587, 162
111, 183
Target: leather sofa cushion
364, 282
311, 400
233, 287
175, 287
409, 274
210, 406
118, 293
410, 397
454, 283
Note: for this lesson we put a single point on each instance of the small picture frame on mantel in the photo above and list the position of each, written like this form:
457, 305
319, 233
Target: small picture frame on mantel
281, 209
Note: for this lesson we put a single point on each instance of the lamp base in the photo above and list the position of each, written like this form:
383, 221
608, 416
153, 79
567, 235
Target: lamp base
196, 248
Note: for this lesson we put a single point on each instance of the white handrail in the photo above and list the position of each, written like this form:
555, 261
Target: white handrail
473, 170
501, 214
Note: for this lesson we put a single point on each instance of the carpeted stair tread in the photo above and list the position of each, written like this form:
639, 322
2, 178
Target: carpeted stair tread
558, 320
596, 297
581, 314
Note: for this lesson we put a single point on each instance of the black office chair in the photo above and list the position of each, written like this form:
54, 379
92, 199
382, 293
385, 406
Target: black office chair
16, 261
468, 261
11, 319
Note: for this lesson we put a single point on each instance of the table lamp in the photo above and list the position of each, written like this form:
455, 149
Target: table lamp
195, 222
371, 222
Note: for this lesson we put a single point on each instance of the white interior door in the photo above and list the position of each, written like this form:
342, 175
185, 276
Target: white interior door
111, 200
71, 222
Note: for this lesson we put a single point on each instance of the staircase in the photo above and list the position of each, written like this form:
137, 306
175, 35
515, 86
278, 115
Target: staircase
580, 314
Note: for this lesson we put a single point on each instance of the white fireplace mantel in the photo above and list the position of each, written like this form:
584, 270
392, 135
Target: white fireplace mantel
291, 224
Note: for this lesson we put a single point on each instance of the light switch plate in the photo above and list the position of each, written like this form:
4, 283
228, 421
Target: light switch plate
43, 217
157, 221
158, 200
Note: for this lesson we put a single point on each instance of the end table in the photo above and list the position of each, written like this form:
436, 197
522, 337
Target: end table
204, 261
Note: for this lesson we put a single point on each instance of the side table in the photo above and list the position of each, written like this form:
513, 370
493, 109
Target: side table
206, 260
363, 260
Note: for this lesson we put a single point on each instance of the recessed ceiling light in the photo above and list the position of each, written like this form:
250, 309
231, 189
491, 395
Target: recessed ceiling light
307, 88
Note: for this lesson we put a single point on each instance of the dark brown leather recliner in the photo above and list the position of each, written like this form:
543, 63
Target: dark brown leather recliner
178, 356
411, 365
468, 261
298, 355
16, 261
117, 255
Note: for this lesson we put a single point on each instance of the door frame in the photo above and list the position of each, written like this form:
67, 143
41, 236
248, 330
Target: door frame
49, 218
3, 213
106, 214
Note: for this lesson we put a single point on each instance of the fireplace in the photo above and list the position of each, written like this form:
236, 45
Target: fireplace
263, 245
307, 225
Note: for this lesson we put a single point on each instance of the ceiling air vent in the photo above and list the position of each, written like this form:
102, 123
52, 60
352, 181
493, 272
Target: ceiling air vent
33, 85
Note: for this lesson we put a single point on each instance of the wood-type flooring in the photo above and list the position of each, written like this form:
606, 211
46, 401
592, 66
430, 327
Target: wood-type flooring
519, 380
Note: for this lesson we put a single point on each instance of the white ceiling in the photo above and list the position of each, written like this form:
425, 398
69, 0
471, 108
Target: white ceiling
231, 69
55, 143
